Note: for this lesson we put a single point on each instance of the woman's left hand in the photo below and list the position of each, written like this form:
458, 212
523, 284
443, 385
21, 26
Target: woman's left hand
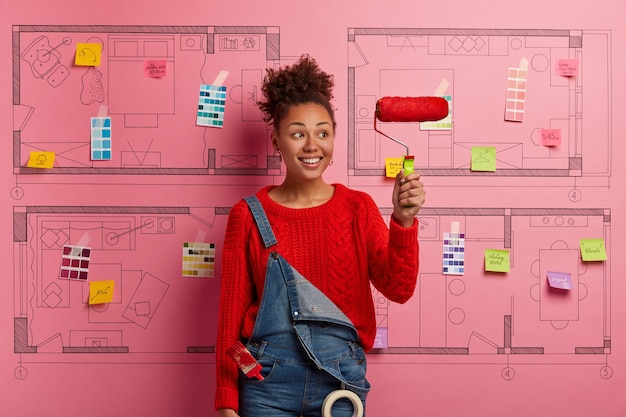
408, 198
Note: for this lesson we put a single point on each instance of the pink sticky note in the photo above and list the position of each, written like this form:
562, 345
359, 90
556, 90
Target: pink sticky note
560, 280
567, 67
550, 137
155, 68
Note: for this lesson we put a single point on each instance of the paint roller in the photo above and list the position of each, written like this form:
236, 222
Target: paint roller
409, 109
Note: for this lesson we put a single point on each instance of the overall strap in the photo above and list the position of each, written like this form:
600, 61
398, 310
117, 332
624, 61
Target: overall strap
261, 221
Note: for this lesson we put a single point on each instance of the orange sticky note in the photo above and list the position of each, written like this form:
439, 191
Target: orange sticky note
392, 167
550, 137
567, 67
88, 54
38, 159
101, 292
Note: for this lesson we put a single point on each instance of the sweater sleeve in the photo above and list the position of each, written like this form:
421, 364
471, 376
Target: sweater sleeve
236, 295
393, 256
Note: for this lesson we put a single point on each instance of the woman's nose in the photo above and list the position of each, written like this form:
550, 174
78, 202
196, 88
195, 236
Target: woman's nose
310, 143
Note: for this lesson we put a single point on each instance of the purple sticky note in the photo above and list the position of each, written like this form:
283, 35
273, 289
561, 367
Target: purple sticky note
381, 338
560, 280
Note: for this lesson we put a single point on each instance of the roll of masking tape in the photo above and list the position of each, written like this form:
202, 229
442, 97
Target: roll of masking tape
331, 398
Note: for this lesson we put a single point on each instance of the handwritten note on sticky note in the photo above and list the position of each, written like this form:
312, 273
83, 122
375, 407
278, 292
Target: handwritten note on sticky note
483, 158
550, 137
592, 250
392, 167
560, 280
88, 54
101, 292
567, 67
497, 260
40, 160
155, 69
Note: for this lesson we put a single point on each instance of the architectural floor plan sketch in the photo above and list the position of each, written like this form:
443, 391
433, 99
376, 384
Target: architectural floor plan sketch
132, 246
528, 322
153, 119
504, 320
470, 69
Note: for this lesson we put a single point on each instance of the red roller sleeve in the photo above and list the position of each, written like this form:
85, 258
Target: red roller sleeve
411, 109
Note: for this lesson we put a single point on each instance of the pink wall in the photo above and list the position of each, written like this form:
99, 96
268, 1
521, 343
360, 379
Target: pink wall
476, 344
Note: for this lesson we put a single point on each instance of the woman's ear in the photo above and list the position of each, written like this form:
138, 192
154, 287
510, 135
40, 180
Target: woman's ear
275, 140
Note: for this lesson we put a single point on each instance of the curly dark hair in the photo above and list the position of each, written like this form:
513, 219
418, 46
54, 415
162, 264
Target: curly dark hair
300, 83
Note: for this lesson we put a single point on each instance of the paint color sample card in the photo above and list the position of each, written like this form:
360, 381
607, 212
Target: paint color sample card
75, 262
516, 94
453, 253
100, 138
211, 105
198, 259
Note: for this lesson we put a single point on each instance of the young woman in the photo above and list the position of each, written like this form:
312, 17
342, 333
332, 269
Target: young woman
298, 260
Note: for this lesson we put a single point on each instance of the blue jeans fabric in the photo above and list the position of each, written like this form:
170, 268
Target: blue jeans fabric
305, 344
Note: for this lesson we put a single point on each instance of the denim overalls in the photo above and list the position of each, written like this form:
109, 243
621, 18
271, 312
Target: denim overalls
306, 345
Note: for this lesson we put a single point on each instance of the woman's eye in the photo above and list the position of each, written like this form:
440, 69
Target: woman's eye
297, 135
323, 134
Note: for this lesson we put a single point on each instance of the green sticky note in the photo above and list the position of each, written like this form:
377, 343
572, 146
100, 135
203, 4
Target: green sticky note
592, 250
483, 158
497, 260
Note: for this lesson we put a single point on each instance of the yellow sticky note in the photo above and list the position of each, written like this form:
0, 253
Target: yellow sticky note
392, 166
497, 260
101, 291
592, 250
40, 160
88, 54
483, 158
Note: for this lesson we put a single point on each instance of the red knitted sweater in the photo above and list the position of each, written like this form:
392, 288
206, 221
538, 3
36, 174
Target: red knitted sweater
341, 247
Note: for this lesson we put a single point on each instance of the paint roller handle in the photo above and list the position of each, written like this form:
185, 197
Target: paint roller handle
408, 197
408, 164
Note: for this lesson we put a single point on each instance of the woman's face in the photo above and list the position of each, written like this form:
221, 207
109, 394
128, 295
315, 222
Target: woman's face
305, 140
